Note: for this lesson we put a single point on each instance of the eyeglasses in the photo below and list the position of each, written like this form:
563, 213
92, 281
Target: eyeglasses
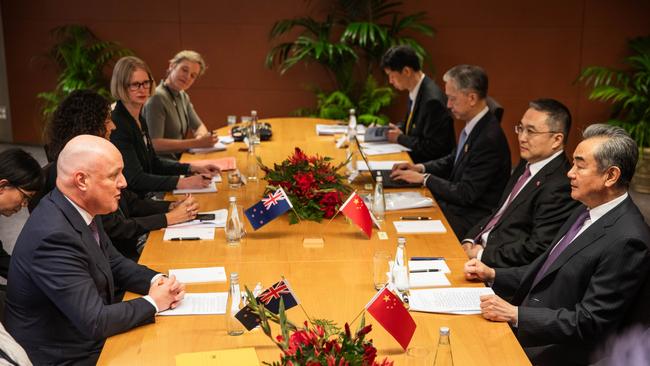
26, 197
520, 130
136, 85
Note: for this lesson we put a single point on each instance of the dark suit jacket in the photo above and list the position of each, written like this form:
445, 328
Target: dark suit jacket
144, 171
532, 219
469, 189
60, 303
431, 132
585, 293
135, 216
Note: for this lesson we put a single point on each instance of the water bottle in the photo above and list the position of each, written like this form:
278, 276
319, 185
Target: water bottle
378, 200
254, 137
233, 223
443, 352
351, 153
400, 268
235, 303
251, 162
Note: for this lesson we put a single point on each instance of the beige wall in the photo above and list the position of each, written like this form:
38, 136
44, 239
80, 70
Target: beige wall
529, 49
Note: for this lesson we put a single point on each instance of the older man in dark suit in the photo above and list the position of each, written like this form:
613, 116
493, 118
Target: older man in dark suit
468, 182
61, 305
565, 303
537, 199
428, 129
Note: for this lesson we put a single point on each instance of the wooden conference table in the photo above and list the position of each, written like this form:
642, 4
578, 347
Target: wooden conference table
332, 282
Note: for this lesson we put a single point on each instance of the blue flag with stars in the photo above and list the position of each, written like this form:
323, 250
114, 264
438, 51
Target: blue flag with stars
266, 210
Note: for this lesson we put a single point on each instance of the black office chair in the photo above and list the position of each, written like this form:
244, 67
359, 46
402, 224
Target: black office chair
495, 108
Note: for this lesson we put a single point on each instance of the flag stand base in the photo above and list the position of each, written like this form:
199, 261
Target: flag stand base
313, 242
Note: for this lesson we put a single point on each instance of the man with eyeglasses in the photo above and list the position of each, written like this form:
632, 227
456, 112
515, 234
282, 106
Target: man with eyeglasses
537, 199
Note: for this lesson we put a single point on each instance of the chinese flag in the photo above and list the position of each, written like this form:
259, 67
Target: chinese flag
390, 312
356, 210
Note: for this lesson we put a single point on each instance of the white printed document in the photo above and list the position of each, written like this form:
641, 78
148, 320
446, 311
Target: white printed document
189, 233
211, 188
438, 264
427, 279
220, 217
199, 275
455, 300
200, 304
219, 146
419, 227
381, 148
378, 165
337, 129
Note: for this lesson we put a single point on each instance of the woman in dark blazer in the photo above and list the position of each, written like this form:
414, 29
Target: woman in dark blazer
84, 112
145, 171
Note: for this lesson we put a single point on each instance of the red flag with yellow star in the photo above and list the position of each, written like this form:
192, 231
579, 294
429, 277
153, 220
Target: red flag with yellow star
390, 312
356, 210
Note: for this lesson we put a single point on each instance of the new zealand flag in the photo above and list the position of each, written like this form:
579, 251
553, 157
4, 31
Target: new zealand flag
271, 300
270, 207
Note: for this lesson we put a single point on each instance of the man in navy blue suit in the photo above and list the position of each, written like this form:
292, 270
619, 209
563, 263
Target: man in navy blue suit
61, 303
468, 182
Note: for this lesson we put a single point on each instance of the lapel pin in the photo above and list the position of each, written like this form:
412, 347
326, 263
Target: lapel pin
537, 183
466, 147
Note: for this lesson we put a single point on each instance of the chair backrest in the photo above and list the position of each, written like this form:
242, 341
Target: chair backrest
495, 108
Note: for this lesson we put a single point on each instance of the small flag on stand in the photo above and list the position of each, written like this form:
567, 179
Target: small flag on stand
390, 312
270, 298
357, 211
269, 208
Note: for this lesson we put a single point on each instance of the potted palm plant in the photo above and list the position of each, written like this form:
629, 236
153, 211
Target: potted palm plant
629, 92
349, 44
82, 59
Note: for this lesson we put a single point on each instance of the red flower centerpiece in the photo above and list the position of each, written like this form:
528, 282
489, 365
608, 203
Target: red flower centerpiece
312, 183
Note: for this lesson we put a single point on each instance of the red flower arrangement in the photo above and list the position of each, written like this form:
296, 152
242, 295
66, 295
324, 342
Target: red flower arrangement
312, 183
319, 343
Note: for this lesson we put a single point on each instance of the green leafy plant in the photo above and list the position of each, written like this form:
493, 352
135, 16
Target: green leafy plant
628, 90
82, 59
349, 44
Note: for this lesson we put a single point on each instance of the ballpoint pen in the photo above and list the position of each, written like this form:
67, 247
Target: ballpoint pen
415, 218
427, 258
186, 238
424, 270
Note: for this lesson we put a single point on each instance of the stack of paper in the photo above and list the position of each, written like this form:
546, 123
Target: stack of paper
219, 146
237, 356
419, 227
427, 279
337, 129
200, 304
380, 148
378, 165
211, 188
220, 217
455, 300
189, 233
199, 275
406, 200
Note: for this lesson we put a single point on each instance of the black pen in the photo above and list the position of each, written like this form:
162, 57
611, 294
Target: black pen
424, 270
415, 218
427, 258
186, 238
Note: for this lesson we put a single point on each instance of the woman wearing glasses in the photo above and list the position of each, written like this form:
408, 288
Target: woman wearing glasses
20, 179
145, 171
170, 114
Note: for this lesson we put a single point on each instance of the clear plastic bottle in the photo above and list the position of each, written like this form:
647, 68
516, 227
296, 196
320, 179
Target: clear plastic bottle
443, 352
400, 268
233, 223
251, 163
235, 303
254, 129
352, 153
378, 200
